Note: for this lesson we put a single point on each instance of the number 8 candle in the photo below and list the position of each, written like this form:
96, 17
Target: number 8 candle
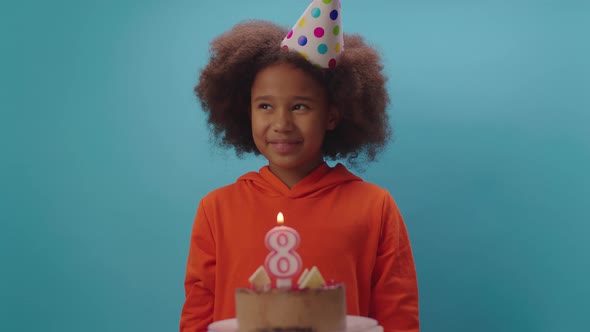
283, 262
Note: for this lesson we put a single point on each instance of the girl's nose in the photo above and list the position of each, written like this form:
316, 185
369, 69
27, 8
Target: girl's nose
283, 120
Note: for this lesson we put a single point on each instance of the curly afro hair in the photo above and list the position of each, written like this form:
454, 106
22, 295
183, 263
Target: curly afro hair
356, 87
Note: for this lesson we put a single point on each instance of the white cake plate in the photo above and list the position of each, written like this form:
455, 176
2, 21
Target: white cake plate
353, 324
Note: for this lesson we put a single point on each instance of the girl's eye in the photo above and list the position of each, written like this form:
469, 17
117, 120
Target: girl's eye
264, 106
300, 107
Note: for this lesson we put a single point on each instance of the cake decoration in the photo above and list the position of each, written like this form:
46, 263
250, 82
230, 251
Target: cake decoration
313, 279
302, 277
260, 279
283, 262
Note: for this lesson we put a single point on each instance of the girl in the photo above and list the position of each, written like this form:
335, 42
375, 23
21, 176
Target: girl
282, 103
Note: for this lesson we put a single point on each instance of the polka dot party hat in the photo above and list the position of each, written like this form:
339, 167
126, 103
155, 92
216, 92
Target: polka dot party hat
317, 35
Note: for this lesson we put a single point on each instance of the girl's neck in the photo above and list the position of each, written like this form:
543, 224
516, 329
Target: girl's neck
291, 176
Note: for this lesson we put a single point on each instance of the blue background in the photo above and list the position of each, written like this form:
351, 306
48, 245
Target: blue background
105, 155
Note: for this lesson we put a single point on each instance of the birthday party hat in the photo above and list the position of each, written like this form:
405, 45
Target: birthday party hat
318, 35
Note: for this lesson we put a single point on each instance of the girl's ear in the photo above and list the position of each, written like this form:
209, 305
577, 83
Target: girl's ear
333, 118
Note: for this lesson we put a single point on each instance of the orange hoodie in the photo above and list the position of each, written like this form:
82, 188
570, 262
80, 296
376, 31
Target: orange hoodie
350, 229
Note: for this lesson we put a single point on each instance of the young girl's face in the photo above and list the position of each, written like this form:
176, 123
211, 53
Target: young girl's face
290, 115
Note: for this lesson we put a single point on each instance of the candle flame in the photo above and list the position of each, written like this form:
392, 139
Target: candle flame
280, 218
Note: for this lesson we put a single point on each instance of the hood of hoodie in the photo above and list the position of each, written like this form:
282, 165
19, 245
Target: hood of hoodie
314, 184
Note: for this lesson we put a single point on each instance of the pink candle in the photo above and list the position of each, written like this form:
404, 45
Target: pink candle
283, 262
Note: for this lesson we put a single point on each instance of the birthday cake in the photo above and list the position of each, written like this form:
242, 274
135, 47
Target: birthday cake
311, 306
